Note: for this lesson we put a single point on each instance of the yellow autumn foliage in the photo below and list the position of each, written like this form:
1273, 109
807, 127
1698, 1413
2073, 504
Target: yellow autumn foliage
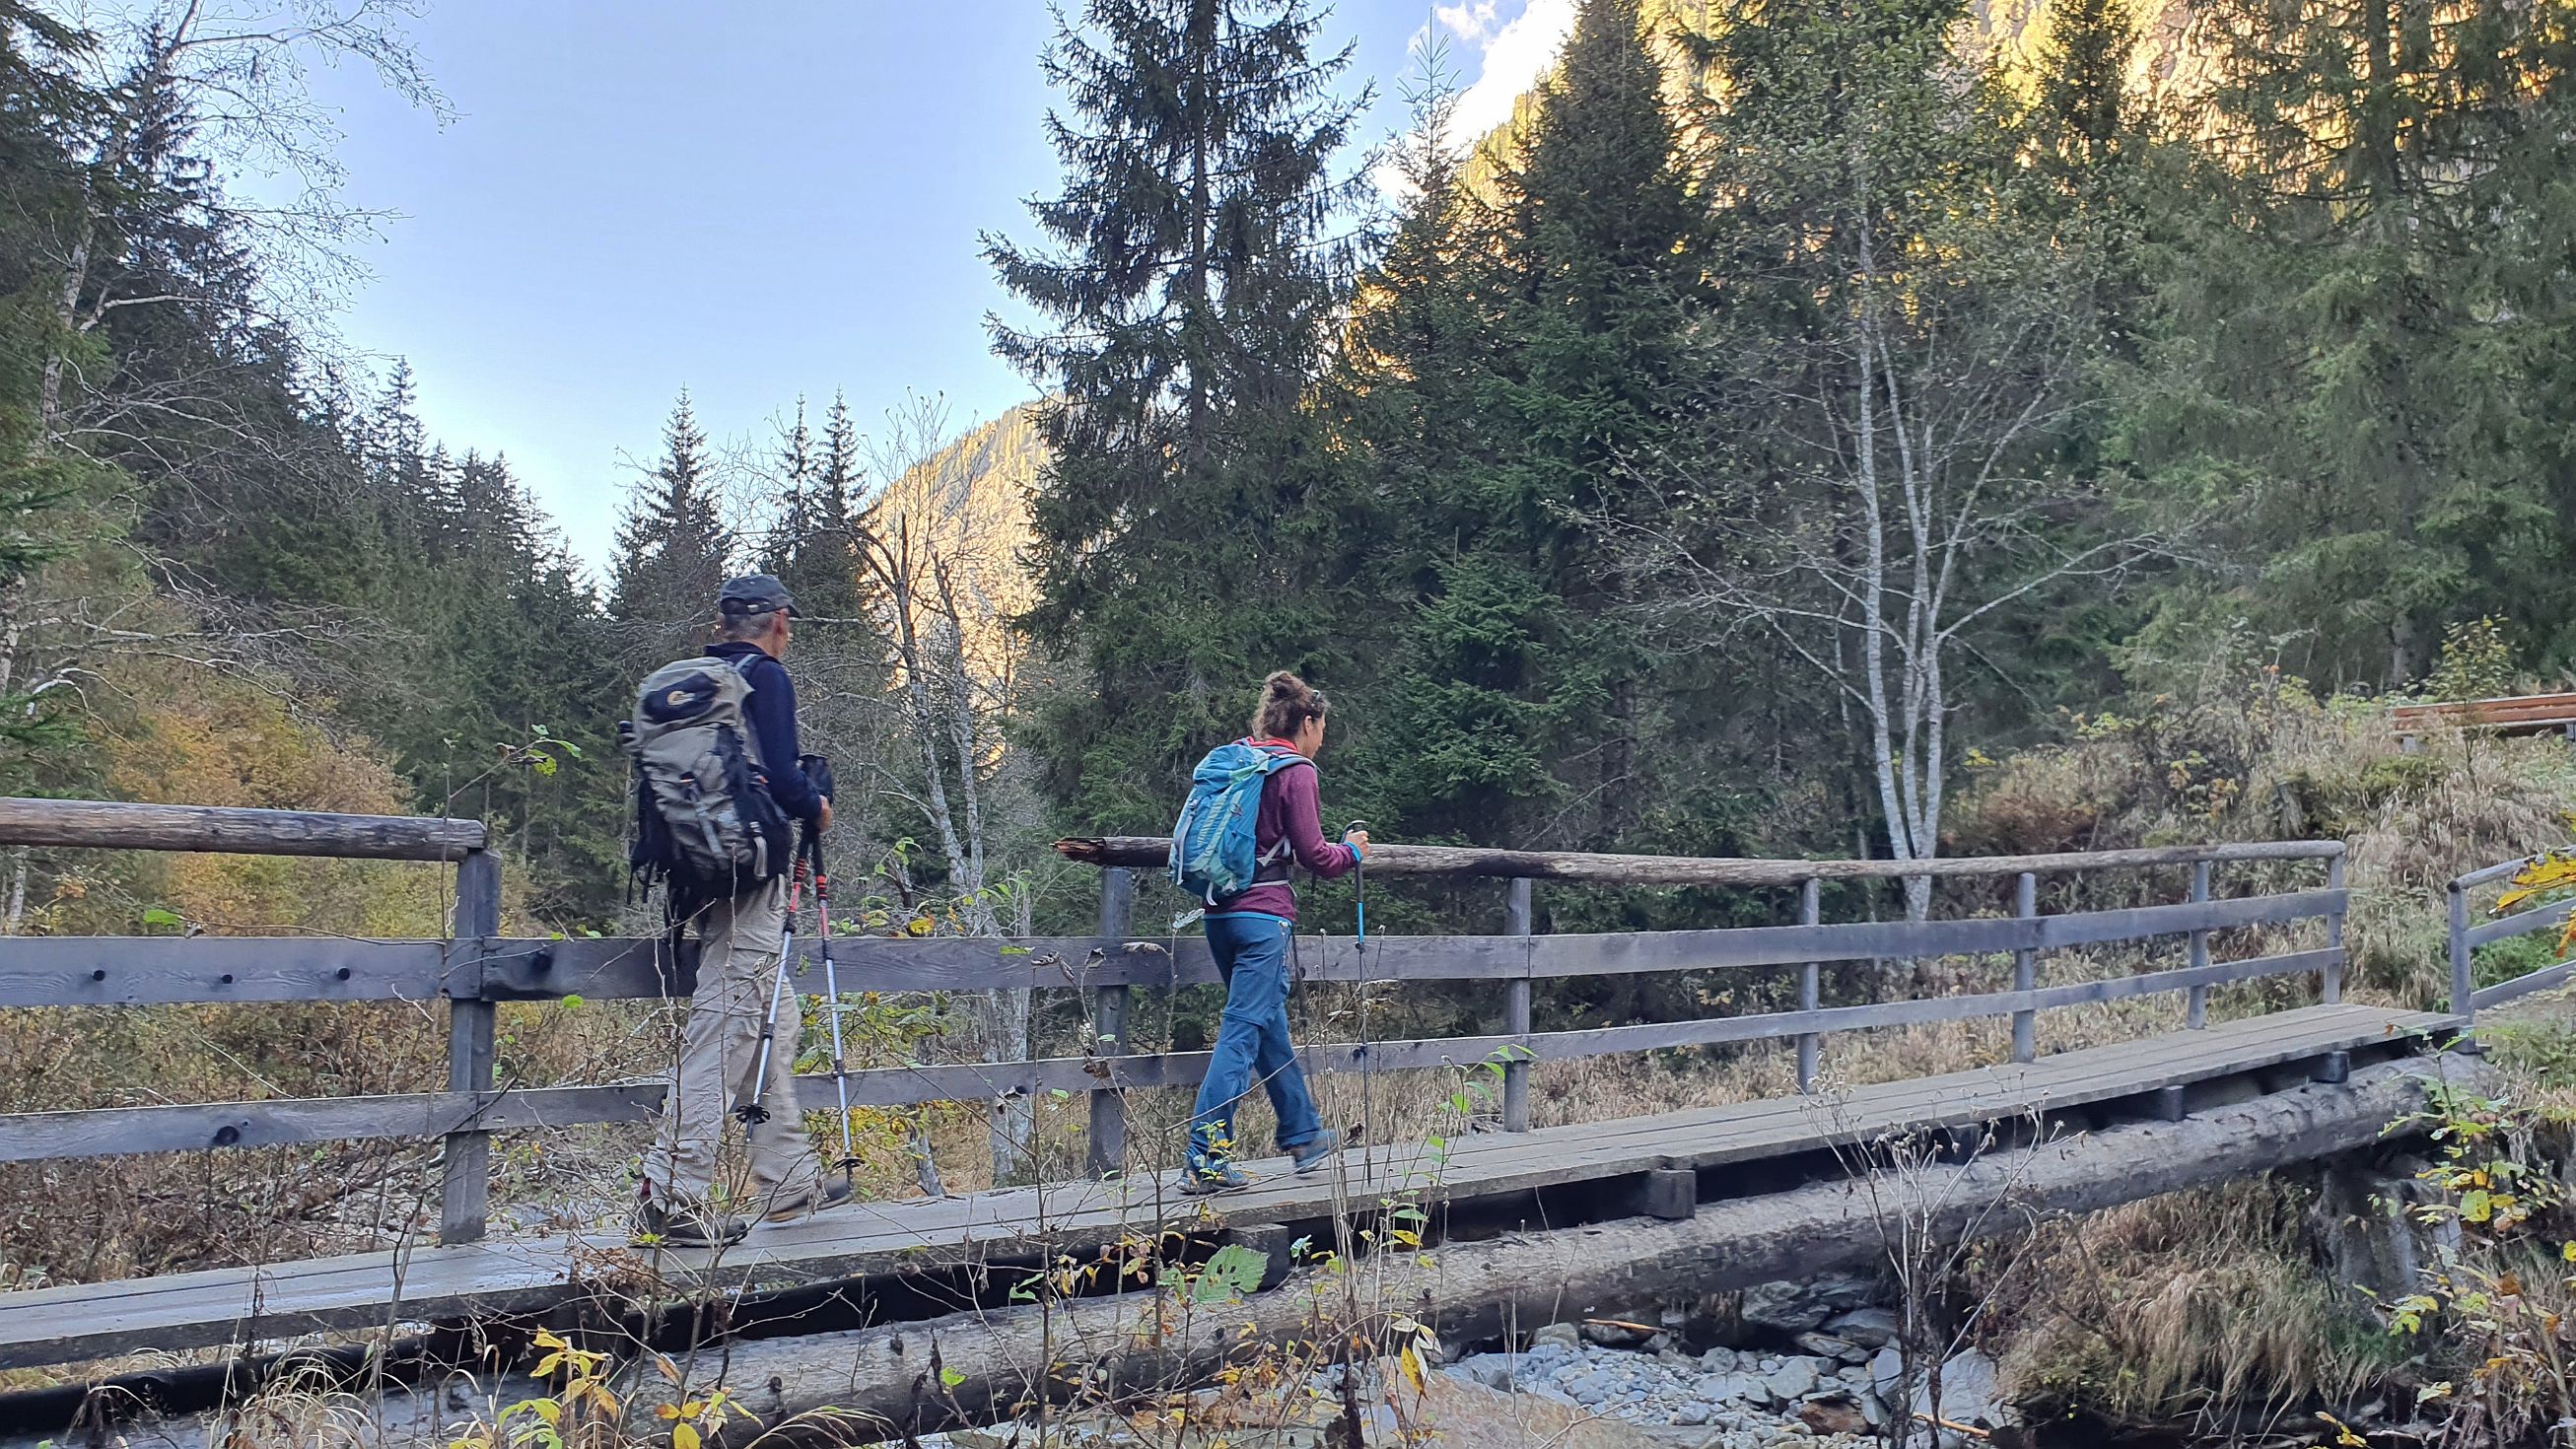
196, 738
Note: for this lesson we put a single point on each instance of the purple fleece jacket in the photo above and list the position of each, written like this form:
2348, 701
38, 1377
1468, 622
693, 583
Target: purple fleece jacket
1290, 811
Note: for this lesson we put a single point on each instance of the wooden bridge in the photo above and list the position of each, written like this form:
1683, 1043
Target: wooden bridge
2265, 919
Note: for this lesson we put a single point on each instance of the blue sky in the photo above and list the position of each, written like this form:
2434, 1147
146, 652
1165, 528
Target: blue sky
751, 201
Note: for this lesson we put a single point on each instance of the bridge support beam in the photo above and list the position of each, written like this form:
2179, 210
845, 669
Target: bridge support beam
1669, 1193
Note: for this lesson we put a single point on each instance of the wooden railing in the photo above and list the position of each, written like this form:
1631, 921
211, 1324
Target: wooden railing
476, 968
2467, 998
2519, 714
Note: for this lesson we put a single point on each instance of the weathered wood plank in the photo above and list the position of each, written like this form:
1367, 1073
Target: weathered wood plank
113, 1131
2518, 709
120, 825
60, 1324
616, 969
2524, 985
145, 970
465, 1187
156, 970
109, 1131
2485, 873
2520, 923
1482, 1289
1600, 1041
1671, 870
1603, 955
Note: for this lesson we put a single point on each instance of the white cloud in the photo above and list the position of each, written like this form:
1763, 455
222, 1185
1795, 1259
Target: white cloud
1500, 60
1472, 22
1512, 56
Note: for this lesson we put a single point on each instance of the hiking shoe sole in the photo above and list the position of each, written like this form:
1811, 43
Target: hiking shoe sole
1314, 1161
684, 1225
687, 1237
829, 1196
1196, 1184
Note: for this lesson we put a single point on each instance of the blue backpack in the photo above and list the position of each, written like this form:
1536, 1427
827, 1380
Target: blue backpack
1213, 850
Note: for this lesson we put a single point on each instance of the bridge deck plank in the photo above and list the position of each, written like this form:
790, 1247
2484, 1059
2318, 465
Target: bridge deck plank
519, 1274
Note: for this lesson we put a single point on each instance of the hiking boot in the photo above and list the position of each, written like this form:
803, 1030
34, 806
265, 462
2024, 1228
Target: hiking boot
1213, 1178
1315, 1151
685, 1225
825, 1195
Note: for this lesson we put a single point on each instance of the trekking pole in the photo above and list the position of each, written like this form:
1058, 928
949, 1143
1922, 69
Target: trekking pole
754, 1109
1359, 881
832, 1005
1359, 947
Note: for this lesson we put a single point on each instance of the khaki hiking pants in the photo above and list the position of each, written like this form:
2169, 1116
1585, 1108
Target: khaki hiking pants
740, 943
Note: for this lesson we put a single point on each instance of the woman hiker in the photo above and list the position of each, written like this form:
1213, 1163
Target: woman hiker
1249, 936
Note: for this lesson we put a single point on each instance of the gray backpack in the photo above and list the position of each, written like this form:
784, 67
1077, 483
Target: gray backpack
704, 818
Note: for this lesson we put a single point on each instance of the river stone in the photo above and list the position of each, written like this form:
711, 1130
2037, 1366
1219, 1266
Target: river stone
1611, 1335
1718, 1360
1800, 1306
1825, 1345
1589, 1388
1833, 1416
1793, 1380
1870, 1326
1561, 1335
1734, 1388
1969, 1393
1693, 1414
1886, 1369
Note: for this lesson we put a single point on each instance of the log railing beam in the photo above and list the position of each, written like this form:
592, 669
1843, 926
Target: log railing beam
122, 825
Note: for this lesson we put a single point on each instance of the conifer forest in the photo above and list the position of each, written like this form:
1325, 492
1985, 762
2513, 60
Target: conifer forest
1791, 406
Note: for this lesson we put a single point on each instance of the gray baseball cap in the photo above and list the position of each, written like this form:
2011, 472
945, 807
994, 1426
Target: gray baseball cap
755, 594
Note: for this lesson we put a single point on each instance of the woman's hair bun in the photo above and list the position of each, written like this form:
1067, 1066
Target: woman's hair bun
1287, 702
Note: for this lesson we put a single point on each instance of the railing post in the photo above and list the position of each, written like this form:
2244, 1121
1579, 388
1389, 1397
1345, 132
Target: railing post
2464, 996
2333, 986
1109, 1029
465, 1192
2196, 1013
2026, 970
1811, 986
1516, 1011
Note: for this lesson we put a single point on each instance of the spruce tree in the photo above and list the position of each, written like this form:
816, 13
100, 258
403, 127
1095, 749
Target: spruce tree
1187, 273
673, 548
2353, 364
811, 550
838, 480
1509, 363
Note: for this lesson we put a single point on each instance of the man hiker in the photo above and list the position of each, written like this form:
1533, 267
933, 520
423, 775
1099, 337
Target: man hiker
1268, 782
702, 782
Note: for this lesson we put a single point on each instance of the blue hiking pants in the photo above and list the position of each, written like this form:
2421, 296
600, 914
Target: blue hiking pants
1251, 1041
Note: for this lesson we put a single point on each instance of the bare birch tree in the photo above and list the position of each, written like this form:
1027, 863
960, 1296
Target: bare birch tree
1885, 488
938, 546
226, 79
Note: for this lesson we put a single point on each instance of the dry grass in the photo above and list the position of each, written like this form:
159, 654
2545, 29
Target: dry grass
2181, 1304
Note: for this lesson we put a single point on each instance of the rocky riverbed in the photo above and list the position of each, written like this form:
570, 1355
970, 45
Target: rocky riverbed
1831, 1390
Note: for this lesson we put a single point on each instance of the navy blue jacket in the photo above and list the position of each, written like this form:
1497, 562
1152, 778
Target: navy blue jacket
771, 712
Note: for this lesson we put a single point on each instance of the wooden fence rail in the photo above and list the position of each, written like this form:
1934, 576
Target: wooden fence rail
2467, 997
476, 968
